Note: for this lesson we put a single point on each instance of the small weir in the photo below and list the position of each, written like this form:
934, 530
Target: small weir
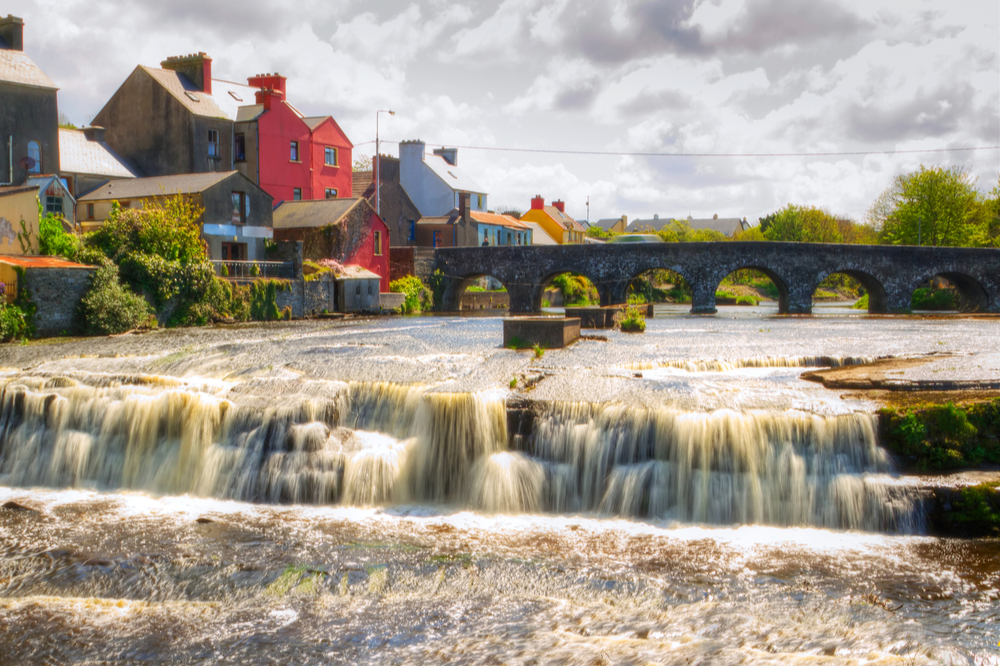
381, 444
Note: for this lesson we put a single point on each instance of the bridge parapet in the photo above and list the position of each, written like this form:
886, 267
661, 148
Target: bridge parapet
890, 274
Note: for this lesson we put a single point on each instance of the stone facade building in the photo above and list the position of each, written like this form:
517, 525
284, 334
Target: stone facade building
399, 212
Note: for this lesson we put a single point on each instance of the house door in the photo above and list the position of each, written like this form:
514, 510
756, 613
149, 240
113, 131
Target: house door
437, 239
234, 252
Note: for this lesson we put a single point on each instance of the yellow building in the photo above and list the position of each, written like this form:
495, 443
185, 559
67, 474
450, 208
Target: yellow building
16, 204
554, 221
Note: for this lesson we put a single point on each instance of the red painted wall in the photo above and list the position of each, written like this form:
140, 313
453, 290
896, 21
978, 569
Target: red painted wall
278, 127
365, 256
328, 133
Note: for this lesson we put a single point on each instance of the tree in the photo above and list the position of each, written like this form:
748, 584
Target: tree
803, 224
936, 206
363, 163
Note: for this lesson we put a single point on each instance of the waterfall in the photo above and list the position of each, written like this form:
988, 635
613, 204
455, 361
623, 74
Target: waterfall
380, 443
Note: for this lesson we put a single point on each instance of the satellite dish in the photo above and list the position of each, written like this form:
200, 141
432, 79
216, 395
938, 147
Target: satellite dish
27, 162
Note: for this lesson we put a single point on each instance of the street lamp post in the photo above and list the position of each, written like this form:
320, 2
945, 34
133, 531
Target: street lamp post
378, 188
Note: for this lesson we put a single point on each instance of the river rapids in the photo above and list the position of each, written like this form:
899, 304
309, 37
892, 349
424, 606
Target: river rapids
407, 491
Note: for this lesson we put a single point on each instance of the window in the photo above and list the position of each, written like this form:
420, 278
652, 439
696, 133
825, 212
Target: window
331, 156
479, 201
191, 96
331, 193
297, 194
35, 153
413, 230
90, 211
378, 244
235, 96
241, 207
240, 148
294, 151
125, 204
213, 144
54, 205
508, 238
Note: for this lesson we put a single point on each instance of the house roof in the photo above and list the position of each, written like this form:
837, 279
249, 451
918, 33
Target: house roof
497, 219
44, 182
314, 121
249, 112
727, 226
538, 235
454, 177
606, 223
224, 102
564, 220
30, 262
8, 190
312, 213
361, 181
17, 67
156, 186
79, 155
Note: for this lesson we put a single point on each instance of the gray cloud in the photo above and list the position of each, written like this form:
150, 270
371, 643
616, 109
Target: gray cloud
928, 113
771, 24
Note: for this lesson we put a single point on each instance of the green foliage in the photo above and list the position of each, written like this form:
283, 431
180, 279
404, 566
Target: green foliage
944, 436
109, 307
936, 206
53, 239
513, 383
723, 296
636, 299
418, 297
15, 323
538, 350
170, 230
576, 290
977, 508
926, 298
862, 303
596, 232
264, 300
679, 231
437, 285
632, 320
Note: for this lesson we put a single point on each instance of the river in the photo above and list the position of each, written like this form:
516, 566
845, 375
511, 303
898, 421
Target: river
405, 490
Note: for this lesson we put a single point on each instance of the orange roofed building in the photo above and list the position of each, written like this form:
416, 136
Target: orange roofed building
555, 222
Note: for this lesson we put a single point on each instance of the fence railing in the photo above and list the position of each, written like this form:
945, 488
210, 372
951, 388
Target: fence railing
8, 290
249, 269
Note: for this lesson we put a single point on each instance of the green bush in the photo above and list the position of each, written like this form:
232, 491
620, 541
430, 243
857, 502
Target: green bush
926, 298
946, 436
264, 301
418, 298
576, 290
15, 323
862, 303
631, 320
109, 307
53, 239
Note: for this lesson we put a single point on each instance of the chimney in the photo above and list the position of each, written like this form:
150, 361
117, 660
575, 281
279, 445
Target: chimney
465, 206
560, 204
12, 32
411, 150
94, 133
537, 202
195, 66
450, 155
267, 97
624, 219
270, 81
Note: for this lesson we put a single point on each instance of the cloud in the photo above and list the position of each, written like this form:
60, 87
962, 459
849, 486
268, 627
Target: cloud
774, 24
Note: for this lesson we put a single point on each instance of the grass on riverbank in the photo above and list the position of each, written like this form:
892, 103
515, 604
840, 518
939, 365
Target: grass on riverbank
942, 437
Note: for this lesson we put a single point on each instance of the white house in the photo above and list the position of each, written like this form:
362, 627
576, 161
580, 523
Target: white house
434, 181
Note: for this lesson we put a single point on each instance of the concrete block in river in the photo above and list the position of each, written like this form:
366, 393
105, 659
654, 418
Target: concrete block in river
603, 317
548, 332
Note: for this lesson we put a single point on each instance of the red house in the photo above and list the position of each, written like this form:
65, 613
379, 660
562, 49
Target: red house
291, 156
346, 230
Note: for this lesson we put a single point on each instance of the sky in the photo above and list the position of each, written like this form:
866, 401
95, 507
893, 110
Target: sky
703, 78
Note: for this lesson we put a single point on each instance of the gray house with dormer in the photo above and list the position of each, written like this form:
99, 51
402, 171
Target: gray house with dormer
435, 182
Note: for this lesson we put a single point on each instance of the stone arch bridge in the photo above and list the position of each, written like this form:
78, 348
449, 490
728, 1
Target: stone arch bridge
890, 274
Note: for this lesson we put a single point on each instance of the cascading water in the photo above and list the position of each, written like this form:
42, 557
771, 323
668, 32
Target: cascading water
380, 443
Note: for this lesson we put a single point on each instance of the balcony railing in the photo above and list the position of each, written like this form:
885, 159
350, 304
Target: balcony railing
248, 269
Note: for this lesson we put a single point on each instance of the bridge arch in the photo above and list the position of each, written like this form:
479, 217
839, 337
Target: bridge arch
538, 290
975, 297
704, 293
878, 301
451, 300
620, 291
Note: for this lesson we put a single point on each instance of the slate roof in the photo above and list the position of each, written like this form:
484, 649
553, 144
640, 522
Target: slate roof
313, 212
564, 220
361, 181
155, 186
249, 112
454, 177
538, 235
606, 223
17, 67
220, 104
727, 226
79, 155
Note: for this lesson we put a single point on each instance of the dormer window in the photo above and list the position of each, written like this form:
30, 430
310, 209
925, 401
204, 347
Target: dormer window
192, 96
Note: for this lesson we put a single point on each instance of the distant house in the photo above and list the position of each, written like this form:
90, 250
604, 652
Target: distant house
237, 217
434, 182
29, 111
54, 197
345, 230
727, 226
555, 222
618, 225
398, 210
538, 235
87, 161
290, 155
464, 227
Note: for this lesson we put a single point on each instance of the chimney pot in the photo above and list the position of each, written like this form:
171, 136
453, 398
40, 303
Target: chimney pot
560, 204
537, 202
195, 66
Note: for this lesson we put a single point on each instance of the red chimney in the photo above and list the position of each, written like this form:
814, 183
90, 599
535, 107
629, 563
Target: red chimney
268, 97
560, 204
195, 66
537, 202
273, 81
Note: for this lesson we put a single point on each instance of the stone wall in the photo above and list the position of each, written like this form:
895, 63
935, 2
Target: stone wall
485, 301
56, 292
400, 262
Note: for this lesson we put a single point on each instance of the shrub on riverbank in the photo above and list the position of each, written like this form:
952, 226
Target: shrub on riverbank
417, 297
576, 290
926, 298
631, 320
109, 307
943, 436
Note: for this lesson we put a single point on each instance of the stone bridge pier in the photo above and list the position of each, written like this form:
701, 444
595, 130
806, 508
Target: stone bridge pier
889, 274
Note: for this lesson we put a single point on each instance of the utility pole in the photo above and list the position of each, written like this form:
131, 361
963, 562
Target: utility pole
377, 166
588, 209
